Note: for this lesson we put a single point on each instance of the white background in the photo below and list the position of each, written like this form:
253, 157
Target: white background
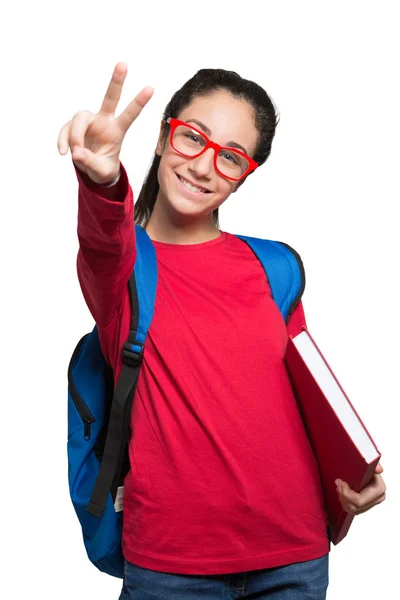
330, 189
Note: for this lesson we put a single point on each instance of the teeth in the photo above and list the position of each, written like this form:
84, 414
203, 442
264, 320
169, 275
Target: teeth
190, 187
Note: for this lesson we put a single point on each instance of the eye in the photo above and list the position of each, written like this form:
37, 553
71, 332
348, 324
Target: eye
230, 157
193, 137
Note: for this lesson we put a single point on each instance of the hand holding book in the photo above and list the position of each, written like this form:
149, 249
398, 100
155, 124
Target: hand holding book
371, 495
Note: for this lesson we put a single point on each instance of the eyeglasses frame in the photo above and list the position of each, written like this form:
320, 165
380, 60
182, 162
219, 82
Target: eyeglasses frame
174, 123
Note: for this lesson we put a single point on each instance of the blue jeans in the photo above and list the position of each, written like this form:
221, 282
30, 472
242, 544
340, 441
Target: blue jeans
298, 581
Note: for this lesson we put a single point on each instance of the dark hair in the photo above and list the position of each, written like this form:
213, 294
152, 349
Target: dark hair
205, 82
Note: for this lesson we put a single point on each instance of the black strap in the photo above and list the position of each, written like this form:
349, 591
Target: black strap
117, 433
118, 426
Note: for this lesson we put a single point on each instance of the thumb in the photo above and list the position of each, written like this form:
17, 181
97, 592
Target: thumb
85, 159
81, 155
378, 468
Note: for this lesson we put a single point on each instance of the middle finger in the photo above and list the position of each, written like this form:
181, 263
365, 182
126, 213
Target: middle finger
113, 93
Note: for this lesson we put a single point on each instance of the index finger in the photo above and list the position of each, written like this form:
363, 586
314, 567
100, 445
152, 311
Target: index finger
113, 93
134, 109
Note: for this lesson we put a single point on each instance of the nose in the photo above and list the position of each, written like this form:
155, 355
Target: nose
203, 165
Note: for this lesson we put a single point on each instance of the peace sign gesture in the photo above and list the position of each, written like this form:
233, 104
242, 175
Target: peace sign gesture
95, 140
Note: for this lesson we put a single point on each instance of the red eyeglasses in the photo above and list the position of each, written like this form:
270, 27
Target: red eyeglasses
231, 163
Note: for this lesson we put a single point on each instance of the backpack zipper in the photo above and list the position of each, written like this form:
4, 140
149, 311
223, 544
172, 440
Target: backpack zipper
80, 405
83, 411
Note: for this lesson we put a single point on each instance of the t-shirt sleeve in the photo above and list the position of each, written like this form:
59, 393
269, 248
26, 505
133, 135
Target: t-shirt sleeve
107, 250
297, 320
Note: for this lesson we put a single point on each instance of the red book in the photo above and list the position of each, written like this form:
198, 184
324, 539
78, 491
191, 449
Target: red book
342, 445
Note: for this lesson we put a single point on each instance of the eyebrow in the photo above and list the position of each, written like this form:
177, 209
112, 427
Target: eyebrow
230, 144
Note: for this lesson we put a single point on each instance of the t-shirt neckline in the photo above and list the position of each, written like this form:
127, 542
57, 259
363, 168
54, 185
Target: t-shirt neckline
197, 246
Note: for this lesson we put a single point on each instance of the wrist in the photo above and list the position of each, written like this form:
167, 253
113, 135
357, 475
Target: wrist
113, 182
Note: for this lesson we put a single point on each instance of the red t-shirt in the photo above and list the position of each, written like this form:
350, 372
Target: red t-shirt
223, 478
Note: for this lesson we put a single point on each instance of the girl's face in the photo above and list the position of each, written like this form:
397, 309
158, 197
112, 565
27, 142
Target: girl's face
224, 119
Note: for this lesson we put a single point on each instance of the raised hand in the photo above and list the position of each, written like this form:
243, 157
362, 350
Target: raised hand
95, 140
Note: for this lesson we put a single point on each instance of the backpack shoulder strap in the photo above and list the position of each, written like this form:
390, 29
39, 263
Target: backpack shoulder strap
142, 288
284, 270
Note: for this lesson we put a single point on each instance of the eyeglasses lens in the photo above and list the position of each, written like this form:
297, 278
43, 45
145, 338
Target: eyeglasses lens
191, 143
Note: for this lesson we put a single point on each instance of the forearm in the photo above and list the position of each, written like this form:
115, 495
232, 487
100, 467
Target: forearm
106, 236
116, 192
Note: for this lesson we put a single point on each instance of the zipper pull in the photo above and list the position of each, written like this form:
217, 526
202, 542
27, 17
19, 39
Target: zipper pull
86, 430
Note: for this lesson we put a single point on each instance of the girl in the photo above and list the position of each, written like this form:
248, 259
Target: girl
223, 497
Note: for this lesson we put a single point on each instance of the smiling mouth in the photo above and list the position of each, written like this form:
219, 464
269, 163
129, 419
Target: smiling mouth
192, 188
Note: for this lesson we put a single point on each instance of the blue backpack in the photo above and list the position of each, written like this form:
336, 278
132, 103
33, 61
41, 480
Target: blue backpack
99, 417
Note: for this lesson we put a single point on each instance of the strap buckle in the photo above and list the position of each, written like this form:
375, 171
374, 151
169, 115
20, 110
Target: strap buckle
132, 351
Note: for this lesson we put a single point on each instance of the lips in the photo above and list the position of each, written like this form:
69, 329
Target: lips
199, 190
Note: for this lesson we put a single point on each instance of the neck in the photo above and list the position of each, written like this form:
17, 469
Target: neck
179, 229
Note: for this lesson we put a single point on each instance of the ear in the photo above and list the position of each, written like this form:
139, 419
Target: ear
161, 139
